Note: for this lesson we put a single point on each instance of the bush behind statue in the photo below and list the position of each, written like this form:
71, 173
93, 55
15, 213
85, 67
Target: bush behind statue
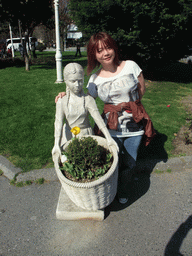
40, 47
86, 160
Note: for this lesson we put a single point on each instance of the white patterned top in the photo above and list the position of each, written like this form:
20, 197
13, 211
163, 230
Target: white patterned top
117, 89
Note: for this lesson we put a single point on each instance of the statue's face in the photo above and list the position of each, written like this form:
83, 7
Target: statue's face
75, 83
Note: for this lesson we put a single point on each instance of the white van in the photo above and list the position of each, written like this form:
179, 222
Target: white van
17, 42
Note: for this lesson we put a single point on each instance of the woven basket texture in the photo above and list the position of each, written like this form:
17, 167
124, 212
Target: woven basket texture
92, 195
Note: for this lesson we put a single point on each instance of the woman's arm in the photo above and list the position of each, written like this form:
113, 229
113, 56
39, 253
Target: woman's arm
60, 95
141, 85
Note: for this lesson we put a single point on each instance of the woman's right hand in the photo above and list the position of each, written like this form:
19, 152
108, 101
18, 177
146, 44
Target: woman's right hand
60, 95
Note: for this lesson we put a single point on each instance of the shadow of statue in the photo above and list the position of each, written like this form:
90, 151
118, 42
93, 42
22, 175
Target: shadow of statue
136, 190
148, 157
154, 153
174, 244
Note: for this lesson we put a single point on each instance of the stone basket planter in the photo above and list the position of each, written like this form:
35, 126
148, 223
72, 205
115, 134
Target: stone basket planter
93, 195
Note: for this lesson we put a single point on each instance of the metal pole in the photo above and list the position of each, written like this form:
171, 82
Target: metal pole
13, 54
19, 22
58, 56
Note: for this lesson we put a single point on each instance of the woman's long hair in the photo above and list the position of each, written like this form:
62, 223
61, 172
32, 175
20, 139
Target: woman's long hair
92, 47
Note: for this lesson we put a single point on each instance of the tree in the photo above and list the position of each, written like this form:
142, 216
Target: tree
149, 29
30, 13
65, 20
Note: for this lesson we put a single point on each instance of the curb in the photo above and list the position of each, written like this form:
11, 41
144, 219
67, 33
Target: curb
9, 171
175, 164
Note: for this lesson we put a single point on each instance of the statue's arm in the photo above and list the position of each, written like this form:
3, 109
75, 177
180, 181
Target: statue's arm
94, 112
59, 117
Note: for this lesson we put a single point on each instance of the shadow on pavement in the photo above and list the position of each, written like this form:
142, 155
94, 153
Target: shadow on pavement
174, 245
137, 189
148, 157
155, 150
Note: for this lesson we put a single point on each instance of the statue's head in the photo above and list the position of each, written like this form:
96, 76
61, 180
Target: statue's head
74, 77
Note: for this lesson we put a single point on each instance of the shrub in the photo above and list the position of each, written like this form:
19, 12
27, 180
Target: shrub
40, 47
9, 62
86, 160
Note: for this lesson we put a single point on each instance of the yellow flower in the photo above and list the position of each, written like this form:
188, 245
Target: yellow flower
75, 130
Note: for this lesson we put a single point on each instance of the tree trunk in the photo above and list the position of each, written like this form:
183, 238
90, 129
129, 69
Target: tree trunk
27, 64
62, 44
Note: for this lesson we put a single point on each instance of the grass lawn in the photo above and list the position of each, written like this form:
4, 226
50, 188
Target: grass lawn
28, 111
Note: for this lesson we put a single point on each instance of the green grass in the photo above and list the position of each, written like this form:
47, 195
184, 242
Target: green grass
157, 171
28, 111
166, 120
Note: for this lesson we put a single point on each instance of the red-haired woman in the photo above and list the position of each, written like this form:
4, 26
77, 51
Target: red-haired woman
120, 85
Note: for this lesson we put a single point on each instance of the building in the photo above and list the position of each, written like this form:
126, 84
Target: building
73, 35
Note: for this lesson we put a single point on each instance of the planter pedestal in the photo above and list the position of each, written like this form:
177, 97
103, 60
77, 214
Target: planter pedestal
67, 210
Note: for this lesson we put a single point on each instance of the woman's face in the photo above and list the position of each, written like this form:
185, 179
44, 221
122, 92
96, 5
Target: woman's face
75, 83
104, 54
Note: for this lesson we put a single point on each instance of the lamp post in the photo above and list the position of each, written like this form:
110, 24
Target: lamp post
13, 53
58, 56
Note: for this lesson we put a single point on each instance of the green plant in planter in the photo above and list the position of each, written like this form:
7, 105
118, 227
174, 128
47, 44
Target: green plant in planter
86, 160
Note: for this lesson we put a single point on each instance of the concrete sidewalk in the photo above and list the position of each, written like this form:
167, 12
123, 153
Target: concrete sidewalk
156, 221
148, 166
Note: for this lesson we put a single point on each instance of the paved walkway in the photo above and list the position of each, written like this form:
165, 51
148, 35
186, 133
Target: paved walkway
173, 164
157, 220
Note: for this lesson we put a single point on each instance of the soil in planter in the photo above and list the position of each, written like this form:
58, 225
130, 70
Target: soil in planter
70, 177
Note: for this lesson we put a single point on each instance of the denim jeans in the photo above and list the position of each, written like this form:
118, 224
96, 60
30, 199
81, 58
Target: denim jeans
128, 149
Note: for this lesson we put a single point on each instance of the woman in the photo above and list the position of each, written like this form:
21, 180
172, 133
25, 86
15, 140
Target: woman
75, 107
120, 85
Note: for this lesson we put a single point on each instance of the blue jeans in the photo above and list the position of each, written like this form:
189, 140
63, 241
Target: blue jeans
128, 149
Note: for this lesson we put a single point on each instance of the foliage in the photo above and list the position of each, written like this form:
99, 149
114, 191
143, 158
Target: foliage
9, 62
40, 47
40, 181
150, 29
31, 13
27, 182
86, 159
64, 19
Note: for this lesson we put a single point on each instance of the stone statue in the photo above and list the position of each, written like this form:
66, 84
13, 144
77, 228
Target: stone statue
75, 107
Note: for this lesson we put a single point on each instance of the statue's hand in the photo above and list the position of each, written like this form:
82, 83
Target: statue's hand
112, 143
56, 150
60, 95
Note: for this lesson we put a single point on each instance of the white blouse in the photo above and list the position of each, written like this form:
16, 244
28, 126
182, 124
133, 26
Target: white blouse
117, 89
